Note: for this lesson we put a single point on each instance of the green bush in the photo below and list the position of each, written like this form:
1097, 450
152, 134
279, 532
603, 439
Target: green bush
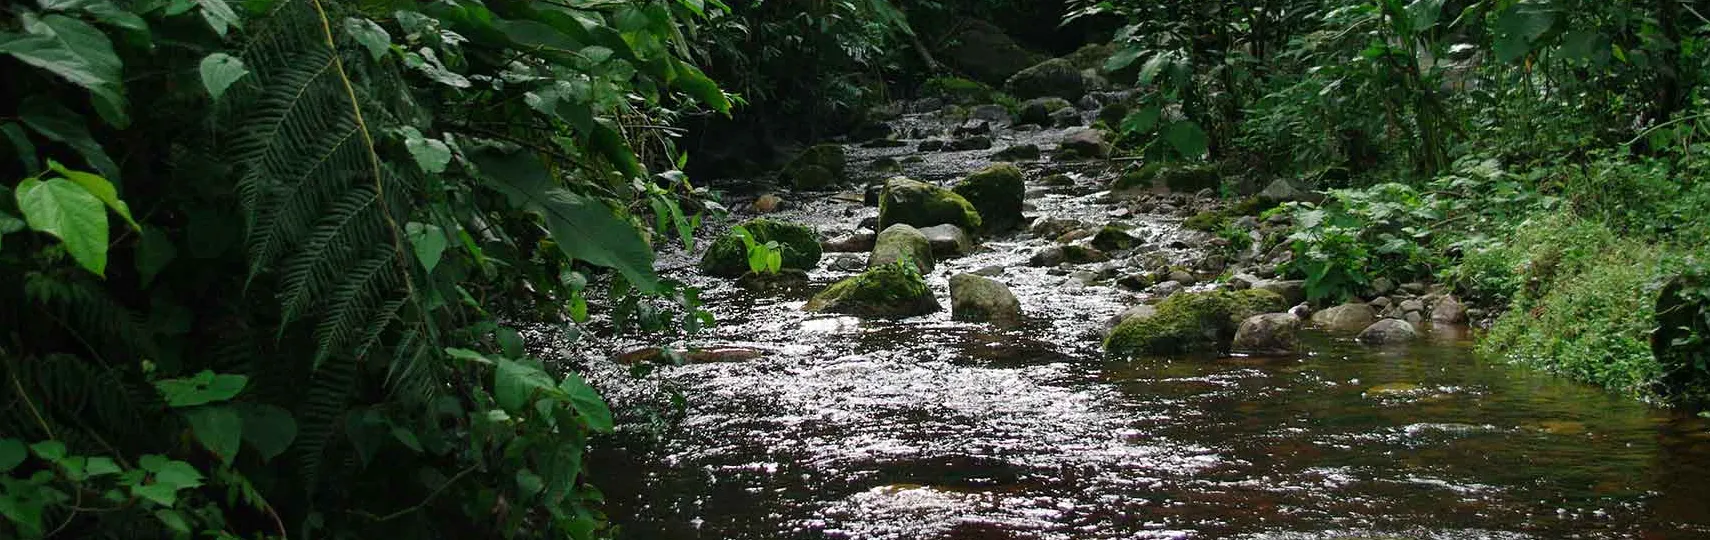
1362, 234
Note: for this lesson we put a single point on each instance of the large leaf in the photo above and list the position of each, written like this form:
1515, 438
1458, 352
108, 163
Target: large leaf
1423, 14
432, 155
12, 454
54, 121
583, 228
587, 403
219, 428
100, 188
428, 242
701, 87
69, 48
1518, 27
1140, 121
154, 252
1153, 65
104, 12
1123, 58
516, 384
21, 146
67, 211
219, 71
370, 35
203, 388
267, 428
219, 15
1187, 138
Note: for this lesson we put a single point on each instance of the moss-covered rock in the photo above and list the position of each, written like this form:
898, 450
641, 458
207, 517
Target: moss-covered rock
901, 242
957, 90
890, 291
1054, 77
1037, 111
1190, 322
728, 256
924, 205
997, 193
1083, 143
978, 299
1207, 221
1077, 254
818, 168
1114, 238
1177, 178
983, 51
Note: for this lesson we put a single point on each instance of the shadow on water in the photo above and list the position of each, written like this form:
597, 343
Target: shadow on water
930, 429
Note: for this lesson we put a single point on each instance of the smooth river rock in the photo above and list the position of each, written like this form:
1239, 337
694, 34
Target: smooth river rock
979, 299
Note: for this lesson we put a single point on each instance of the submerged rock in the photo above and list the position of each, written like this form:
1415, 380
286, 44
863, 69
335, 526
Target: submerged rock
889, 291
978, 299
996, 193
728, 256
1345, 319
1388, 332
948, 241
899, 243
1271, 333
924, 205
1190, 322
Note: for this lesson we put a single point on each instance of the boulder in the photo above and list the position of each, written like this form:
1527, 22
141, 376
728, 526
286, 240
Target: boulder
983, 51
1067, 117
1020, 152
819, 167
768, 203
1037, 111
1271, 333
932, 145
1281, 191
973, 127
1345, 319
995, 114
1140, 312
728, 256
886, 165
978, 299
861, 240
1113, 114
1388, 332
1113, 238
974, 142
1047, 256
1054, 77
924, 205
1448, 310
997, 193
1190, 322
902, 242
1083, 143
1293, 290
893, 290
948, 241
787, 279
1075, 254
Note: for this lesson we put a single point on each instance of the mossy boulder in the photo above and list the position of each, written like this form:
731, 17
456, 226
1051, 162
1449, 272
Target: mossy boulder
820, 167
1176, 178
983, 51
728, 256
1113, 238
1037, 111
1083, 143
899, 243
1207, 221
957, 90
923, 205
1054, 77
890, 291
997, 193
1190, 323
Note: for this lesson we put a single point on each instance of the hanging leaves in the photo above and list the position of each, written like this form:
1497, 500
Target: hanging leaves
219, 71
71, 49
70, 213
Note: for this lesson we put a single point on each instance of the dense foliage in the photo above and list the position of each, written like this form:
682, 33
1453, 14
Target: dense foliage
262, 259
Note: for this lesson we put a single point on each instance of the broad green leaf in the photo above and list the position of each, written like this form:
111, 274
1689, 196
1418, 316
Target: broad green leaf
585, 229
12, 454
100, 188
1123, 58
587, 402
1187, 138
104, 11
1140, 121
529, 484
219, 428
203, 388
267, 428
425, 61
101, 465
67, 211
774, 261
701, 87
174, 520
428, 242
49, 450
757, 259
54, 121
432, 155
467, 355
219, 71
25, 150
515, 384
1518, 27
154, 252
609, 142
69, 48
370, 35
219, 15
1423, 14
24, 512
161, 494
10, 224
1153, 65
176, 474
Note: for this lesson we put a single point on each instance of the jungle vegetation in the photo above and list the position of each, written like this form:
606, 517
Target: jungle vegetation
263, 262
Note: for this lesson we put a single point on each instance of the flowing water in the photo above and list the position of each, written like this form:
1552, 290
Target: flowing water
925, 428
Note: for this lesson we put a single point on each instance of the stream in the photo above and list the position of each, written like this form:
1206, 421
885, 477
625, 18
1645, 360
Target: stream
925, 428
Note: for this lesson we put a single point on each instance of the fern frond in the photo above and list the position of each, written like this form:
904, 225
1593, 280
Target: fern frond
354, 301
320, 413
334, 246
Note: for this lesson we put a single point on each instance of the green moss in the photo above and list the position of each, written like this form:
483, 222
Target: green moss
997, 194
1207, 221
892, 290
924, 205
1190, 178
1113, 238
1584, 304
1140, 178
819, 167
1190, 323
1074, 254
728, 256
1250, 206
957, 90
